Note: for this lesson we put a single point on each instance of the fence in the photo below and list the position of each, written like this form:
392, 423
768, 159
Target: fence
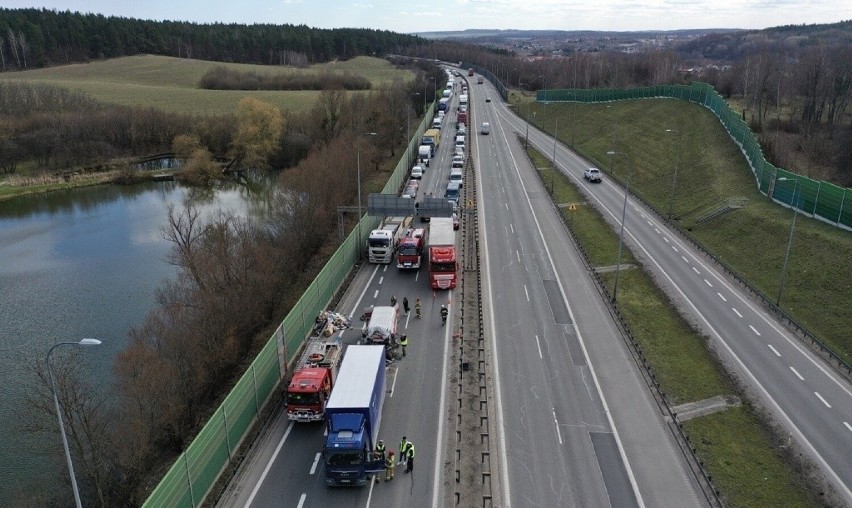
822, 200
196, 470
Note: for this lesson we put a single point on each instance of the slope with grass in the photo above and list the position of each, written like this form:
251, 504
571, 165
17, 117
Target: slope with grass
171, 84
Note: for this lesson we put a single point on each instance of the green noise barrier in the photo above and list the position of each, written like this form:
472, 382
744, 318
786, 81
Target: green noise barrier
819, 199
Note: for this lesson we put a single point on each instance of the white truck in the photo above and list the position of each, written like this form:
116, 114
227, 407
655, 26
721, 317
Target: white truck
382, 242
424, 153
382, 326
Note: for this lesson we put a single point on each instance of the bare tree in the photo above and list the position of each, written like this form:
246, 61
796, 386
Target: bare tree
13, 43
24, 45
88, 424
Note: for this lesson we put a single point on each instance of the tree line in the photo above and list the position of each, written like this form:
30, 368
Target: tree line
32, 38
222, 78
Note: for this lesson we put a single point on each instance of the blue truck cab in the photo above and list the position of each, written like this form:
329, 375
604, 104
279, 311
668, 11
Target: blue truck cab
353, 416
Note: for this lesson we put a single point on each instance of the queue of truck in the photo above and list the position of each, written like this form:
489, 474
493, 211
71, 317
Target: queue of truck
345, 386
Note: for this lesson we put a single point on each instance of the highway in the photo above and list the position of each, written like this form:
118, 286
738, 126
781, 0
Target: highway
805, 396
577, 425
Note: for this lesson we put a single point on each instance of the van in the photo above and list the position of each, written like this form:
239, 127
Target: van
453, 191
457, 176
486, 128
436, 123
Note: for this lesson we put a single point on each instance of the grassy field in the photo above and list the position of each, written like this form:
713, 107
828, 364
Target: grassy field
751, 240
171, 84
737, 451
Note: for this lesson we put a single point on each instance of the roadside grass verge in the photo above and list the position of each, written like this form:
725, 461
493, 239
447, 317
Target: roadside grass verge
736, 449
171, 84
751, 241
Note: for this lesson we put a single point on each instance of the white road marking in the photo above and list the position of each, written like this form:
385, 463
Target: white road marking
666, 239
657, 231
774, 350
316, 462
650, 223
696, 270
269, 465
376, 294
393, 386
822, 400
539, 348
302, 500
385, 269
518, 255
512, 228
848, 426
724, 299
708, 283
507, 205
558, 432
526, 292
754, 330
684, 259
675, 248
736, 312
381, 280
797, 373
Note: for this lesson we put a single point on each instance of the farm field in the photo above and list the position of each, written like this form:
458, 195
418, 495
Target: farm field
171, 84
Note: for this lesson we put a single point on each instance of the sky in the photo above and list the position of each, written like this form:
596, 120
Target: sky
408, 16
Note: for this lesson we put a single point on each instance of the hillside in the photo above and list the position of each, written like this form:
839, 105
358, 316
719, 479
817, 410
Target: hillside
732, 46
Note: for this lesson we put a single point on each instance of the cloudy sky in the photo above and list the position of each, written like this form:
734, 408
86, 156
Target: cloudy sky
436, 15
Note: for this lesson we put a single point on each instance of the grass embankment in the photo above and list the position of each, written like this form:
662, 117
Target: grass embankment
737, 451
752, 240
171, 84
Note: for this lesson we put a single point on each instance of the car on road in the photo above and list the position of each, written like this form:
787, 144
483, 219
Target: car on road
458, 161
593, 175
417, 172
488, 99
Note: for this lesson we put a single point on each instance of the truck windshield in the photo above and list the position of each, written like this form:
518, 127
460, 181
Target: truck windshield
343, 458
443, 267
379, 242
303, 398
408, 250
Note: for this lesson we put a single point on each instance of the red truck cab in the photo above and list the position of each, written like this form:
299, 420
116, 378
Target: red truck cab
410, 250
313, 380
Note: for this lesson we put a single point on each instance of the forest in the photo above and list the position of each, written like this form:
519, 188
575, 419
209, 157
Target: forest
32, 38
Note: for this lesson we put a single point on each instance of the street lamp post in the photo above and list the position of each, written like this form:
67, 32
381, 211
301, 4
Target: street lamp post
614, 127
677, 163
789, 239
553, 167
360, 214
83, 342
623, 220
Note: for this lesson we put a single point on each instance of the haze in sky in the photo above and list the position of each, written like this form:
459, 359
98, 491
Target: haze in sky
408, 16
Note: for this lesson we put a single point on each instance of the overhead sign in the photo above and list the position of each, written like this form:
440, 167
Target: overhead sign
389, 205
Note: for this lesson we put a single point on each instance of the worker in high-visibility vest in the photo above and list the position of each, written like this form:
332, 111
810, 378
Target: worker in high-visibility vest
403, 341
409, 458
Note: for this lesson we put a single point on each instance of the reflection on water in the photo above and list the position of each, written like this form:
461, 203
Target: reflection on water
81, 263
